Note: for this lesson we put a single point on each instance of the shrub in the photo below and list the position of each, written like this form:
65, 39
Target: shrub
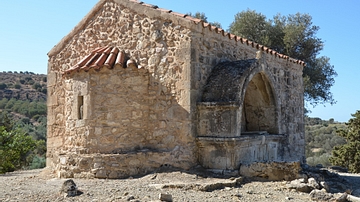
322, 159
3, 86
38, 162
348, 155
36, 86
17, 86
13, 149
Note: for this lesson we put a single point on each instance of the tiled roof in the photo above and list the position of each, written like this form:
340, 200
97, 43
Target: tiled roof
108, 57
222, 32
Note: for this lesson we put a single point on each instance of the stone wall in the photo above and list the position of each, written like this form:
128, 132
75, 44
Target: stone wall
124, 110
146, 117
210, 48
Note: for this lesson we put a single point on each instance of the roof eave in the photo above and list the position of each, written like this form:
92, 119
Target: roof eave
80, 26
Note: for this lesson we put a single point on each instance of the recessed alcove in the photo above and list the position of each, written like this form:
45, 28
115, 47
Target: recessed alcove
238, 119
259, 108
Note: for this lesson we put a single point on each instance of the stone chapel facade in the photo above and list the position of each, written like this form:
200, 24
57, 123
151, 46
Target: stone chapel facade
134, 87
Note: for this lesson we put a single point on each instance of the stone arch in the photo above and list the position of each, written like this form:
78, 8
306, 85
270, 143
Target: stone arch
247, 84
259, 106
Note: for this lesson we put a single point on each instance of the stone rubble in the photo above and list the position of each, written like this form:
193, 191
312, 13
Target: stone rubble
41, 185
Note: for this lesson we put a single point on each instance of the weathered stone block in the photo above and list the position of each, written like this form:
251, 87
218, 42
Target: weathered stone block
272, 170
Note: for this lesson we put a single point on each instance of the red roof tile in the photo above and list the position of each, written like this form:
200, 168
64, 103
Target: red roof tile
108, 57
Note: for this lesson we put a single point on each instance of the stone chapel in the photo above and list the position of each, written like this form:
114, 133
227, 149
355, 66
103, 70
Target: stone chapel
134, 87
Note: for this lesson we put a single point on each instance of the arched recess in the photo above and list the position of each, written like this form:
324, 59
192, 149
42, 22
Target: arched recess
259, 105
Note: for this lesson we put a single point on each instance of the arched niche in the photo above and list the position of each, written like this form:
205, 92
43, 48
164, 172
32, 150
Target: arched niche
259, 111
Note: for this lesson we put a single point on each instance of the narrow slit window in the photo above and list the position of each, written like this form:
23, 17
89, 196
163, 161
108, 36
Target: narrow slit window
80, 107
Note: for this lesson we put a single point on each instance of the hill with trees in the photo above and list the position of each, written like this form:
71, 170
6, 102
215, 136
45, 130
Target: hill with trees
22, 120
26, 86
321, 138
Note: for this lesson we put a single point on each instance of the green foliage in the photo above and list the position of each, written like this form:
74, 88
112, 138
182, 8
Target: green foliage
31, 82
27, 79
22, 145
13, 149
321, 138
36, 86
3, 103
295, 36
348, 155
26, 108
17, 86
3, 86
251, 25
38, 162
323, 159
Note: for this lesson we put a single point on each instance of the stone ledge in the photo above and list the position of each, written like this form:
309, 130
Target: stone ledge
229, 104
115, 166
272, 170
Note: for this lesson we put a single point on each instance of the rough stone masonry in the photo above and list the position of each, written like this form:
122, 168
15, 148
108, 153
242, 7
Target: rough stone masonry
134, 87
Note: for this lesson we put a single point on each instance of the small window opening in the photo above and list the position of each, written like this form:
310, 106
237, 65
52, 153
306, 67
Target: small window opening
80, 107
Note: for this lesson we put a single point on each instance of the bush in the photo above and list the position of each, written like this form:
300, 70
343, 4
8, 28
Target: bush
3, 103
13, 149
36, 86
3, 86
17, 86
348, 155
38, 162
322, 159
31, 82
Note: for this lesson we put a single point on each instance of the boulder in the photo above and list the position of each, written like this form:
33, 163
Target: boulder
69, 188
319, 195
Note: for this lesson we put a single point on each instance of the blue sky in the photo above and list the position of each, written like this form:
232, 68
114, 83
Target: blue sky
29, 29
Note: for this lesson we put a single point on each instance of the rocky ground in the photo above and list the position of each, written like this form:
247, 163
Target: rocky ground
42, 185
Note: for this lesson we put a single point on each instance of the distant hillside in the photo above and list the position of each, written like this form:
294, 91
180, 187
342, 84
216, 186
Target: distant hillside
321, 138
23, 109
23, 86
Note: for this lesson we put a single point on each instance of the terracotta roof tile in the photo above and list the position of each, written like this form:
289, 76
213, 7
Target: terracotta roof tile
164, 10
195, 20
108, 57
150, 5
179, 14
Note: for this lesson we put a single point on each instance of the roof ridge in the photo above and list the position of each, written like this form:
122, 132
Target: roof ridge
222, 31
57, 48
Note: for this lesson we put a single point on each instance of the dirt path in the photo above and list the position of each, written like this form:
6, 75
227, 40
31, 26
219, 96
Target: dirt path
39, 185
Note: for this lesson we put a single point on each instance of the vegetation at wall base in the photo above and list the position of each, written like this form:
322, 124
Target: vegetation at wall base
19, 149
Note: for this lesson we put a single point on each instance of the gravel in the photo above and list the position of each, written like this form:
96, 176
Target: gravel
41, 185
